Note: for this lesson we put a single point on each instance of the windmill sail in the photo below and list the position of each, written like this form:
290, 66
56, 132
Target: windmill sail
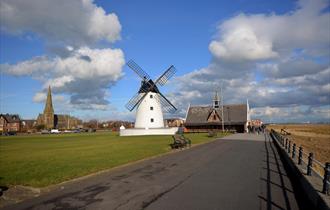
166, 76
138, 70
134, 101
166, 104
147, 85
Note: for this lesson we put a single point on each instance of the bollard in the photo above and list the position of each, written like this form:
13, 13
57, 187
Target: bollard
294, 151
310, 164
300, 155
326, 178
286, 144
289, 147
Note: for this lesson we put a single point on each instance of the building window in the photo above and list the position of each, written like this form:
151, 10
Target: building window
151, 108
151, 96
152, 120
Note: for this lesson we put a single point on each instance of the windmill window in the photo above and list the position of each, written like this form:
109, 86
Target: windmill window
152, 120
151, 108
151, 96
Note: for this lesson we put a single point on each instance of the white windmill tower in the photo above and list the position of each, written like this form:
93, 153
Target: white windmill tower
149, 101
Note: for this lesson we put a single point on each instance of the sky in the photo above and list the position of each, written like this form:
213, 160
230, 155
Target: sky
275, 54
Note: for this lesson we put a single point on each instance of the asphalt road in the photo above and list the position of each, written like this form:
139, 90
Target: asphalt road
242, 171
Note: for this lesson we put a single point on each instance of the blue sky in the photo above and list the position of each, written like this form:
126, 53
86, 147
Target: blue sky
194, 36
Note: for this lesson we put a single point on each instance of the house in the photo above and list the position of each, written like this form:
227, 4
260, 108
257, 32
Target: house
10, 123
233, 117
174, 122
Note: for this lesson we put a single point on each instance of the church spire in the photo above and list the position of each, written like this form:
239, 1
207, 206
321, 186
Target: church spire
216, 100
49, 103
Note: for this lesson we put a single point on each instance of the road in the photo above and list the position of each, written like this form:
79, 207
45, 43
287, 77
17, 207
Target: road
241, 171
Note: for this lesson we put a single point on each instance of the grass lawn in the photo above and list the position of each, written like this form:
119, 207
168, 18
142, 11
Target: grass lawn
41, 160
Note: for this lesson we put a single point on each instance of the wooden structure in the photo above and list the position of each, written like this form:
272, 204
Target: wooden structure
234, 117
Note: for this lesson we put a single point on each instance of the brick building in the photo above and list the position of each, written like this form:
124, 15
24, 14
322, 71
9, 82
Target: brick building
9, 123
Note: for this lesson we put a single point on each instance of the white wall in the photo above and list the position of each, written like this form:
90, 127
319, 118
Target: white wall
144, 114
143, 132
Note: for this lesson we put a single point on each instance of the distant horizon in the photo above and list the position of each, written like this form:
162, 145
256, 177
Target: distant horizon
273, 53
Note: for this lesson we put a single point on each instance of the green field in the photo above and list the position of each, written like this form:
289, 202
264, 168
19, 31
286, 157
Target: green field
41, 160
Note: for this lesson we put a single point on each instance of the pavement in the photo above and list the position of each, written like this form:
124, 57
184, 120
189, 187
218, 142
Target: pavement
241, 171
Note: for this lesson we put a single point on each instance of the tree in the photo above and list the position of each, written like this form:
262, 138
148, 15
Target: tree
40, 127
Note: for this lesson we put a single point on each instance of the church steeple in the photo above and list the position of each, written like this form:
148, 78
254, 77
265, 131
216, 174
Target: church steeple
48, 116
216, 100
49, 103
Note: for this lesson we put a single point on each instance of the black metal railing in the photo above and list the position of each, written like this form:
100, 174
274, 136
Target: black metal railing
303, 158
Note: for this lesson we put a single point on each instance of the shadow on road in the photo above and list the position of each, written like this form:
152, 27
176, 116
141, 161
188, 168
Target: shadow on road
279, 180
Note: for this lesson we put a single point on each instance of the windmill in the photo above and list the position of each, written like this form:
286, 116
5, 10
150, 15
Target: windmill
149, 101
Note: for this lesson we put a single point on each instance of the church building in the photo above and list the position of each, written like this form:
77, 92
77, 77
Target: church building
51, 120
234, 117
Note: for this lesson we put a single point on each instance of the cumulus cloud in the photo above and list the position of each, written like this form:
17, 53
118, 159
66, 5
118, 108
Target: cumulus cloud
75, 22
242, 43
292, 114
276, 61
85, 75
40, 97
306, 27
71, 66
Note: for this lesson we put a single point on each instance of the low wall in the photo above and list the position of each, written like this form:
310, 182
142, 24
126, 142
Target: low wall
310, 187
150, 131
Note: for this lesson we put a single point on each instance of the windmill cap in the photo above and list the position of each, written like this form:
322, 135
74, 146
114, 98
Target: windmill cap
148, 86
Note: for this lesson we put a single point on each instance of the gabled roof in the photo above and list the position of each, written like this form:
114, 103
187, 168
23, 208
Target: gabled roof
234, 113
11, 118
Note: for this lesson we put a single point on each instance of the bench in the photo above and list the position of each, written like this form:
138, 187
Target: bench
179, 141
212, 134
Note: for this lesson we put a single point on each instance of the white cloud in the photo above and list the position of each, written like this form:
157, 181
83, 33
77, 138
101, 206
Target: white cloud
74, 22
260, 36
242, 43
292, 114
85, 75
40, 97
69, 30
279, 62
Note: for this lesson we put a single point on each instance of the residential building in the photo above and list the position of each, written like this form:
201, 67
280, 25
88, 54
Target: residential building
10, 123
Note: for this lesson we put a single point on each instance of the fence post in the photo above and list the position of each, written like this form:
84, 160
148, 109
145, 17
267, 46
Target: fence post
294, 151
289, 148
326, 178
300, 155
286, 143
310, 164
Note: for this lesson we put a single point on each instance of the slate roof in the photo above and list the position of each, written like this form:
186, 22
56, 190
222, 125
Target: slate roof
11, 118
232, 114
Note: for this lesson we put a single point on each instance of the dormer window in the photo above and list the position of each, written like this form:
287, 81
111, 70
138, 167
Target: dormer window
152, 120
151, 96
151, 108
